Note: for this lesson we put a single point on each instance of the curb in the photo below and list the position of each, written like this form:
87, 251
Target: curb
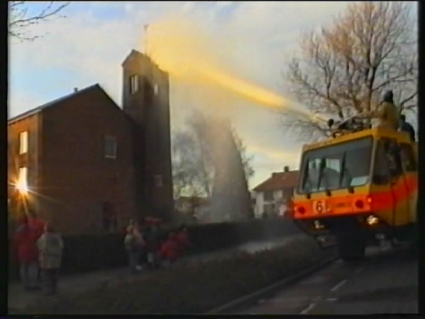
270, 290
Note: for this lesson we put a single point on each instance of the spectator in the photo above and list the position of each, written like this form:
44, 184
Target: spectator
170, 249
26, 244
182, 239
38, 226
152, 243
36, 223
129, 226
50, 246
134, 245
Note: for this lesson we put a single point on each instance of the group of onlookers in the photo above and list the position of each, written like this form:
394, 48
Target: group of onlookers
39, 250
144, 245
39, 253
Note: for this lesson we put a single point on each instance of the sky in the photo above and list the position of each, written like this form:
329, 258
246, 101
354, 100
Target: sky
89, 45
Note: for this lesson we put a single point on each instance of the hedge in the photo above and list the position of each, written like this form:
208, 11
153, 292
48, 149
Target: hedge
189, 288
85, 253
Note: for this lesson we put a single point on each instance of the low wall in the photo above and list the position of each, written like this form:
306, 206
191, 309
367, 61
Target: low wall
85, 253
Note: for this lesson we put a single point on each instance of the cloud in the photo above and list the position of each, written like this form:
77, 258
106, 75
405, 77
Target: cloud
224, 4
91, 48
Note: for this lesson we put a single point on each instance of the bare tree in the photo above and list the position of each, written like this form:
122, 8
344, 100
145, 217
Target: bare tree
246, 160
344, 69
193, 167
190, 168
20, 21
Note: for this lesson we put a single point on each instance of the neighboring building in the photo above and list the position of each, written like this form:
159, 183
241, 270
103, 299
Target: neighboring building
272, 195
88, 165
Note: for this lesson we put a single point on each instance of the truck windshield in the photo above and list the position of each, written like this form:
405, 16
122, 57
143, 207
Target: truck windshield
338, 166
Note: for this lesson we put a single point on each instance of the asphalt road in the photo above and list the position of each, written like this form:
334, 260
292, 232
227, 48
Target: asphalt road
386, 281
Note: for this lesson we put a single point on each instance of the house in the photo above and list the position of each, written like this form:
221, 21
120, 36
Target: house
87, 165
272, 195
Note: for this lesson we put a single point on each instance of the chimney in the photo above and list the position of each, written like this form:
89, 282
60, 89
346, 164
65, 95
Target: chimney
75, 90
286, 169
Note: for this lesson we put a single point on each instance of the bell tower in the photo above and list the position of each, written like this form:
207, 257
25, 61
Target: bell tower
146, 100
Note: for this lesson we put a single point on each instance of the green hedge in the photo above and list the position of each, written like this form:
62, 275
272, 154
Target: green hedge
190, 288
85, 253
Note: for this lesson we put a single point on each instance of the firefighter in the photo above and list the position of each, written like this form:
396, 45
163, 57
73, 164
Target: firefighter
387, 112
407, 127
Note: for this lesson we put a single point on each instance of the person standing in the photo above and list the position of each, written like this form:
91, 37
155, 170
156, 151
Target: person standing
407, 127
134, 245
152, 239
26, 239
37, 225
182, 239
170, 250
387, 113
50, 246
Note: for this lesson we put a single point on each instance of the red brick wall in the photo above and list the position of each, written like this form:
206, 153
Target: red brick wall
153, 114
75, 177
29, 160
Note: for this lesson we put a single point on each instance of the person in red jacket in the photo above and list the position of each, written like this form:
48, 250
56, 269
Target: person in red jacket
183, 241
170, 249
38, 226
36, 223
27, 252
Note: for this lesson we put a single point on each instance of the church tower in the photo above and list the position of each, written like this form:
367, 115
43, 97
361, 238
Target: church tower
146, 100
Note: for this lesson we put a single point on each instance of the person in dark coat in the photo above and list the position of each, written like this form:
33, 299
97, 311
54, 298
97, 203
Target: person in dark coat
407, 127
27, 252
170, 249
152, 245
183, 241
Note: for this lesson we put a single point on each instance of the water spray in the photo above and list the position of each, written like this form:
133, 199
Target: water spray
181, 49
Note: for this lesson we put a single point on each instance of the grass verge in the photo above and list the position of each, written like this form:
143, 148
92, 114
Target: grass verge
191, 288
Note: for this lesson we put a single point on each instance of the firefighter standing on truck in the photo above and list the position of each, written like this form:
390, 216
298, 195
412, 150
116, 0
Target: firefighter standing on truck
387, 113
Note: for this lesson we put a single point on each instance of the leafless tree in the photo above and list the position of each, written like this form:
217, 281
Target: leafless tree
344, 69
246, 160
193, 167
20, 20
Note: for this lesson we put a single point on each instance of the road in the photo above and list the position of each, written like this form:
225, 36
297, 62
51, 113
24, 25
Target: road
386, 281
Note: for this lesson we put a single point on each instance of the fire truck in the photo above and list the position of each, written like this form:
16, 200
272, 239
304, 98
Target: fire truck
358, 187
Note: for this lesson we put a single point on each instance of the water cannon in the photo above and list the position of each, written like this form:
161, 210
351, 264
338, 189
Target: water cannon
352, 124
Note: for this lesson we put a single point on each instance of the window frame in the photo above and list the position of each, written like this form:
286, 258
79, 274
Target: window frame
406, 152
382, 163
394, 152
134, 84
159, 182
316, 155
23, 178
22, 149
268, 198
106, 139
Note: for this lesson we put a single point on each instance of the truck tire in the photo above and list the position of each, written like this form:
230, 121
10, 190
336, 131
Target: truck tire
351, 248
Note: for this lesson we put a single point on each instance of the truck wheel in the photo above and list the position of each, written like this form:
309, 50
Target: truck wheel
351, 249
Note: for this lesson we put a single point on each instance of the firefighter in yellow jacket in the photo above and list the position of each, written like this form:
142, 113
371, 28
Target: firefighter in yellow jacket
387, 113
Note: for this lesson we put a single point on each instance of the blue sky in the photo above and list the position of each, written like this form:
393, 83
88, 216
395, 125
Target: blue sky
89, 45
